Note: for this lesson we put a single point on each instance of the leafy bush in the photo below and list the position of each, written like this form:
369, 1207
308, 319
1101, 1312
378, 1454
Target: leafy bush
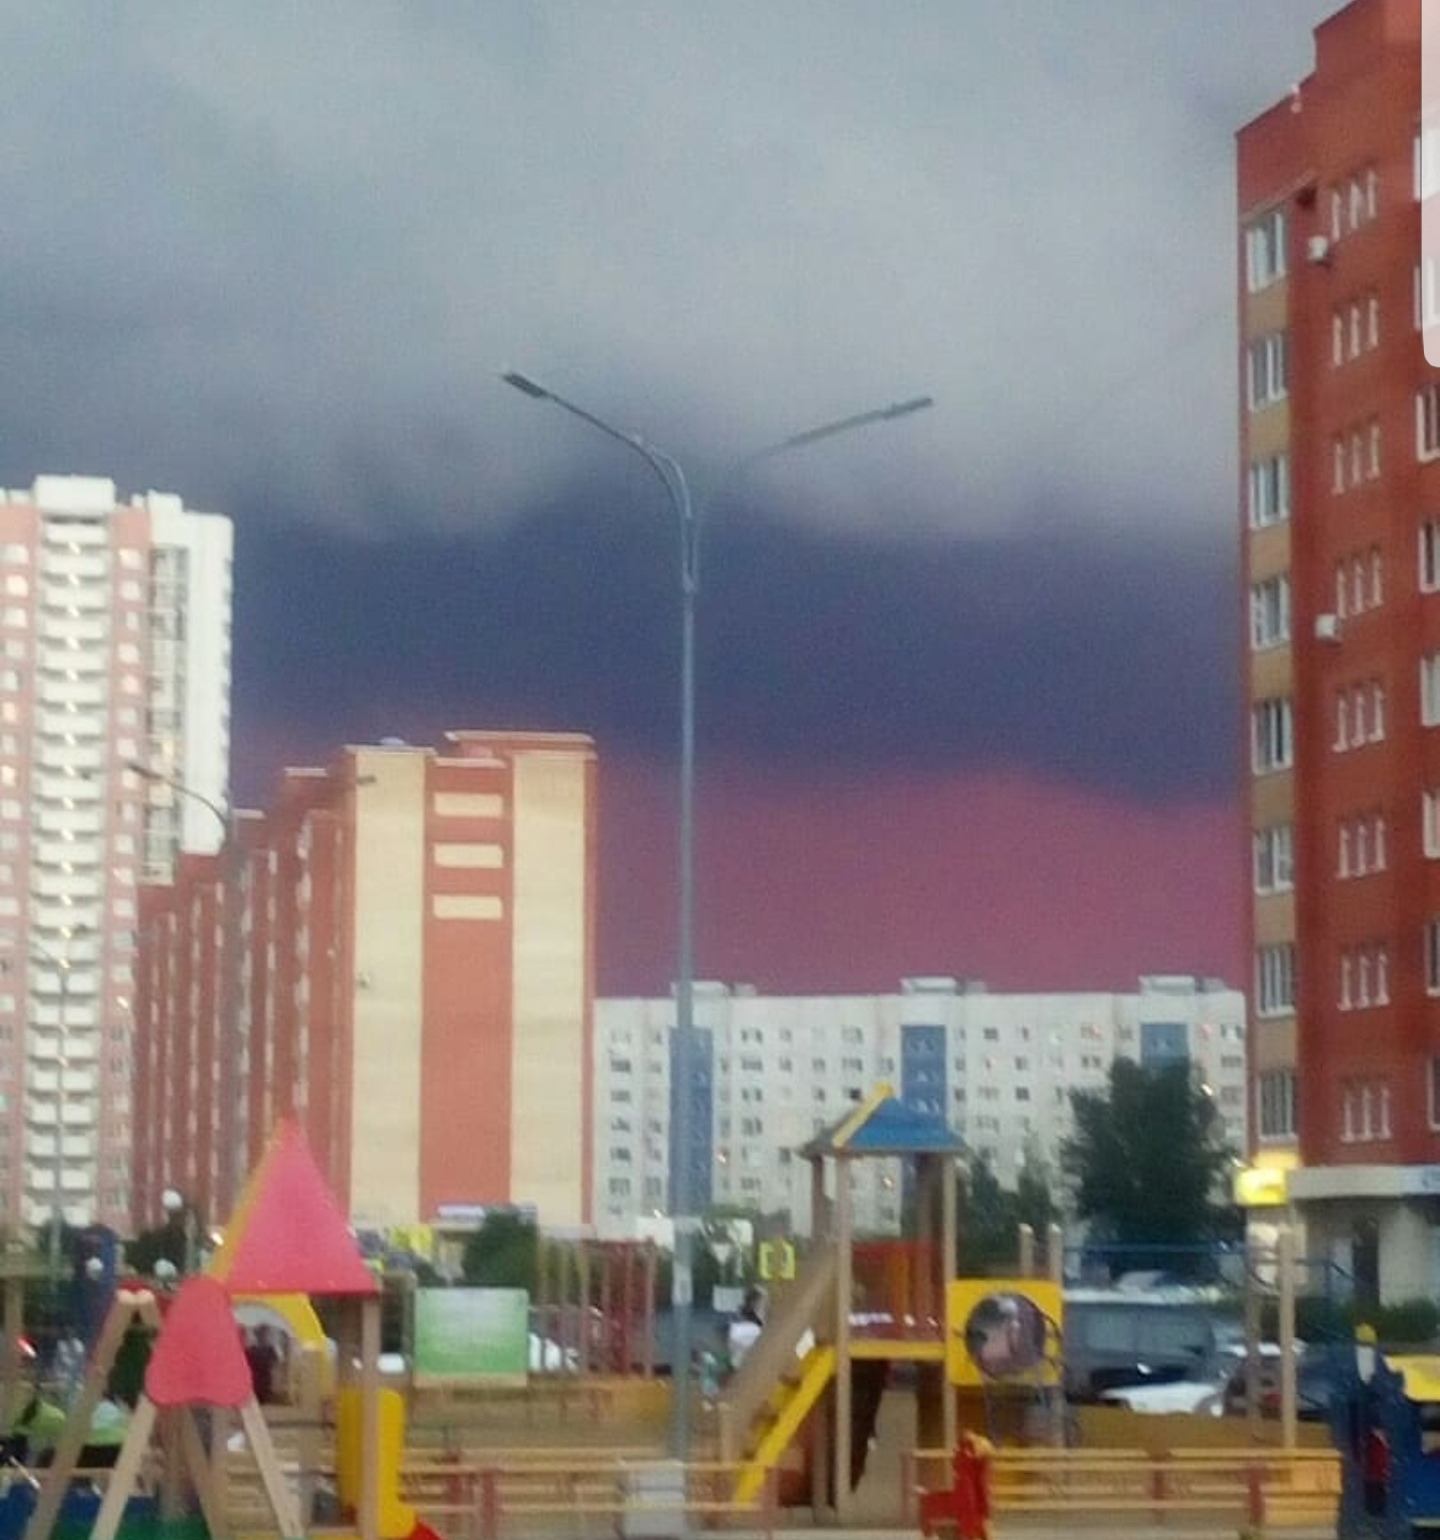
1409, 1323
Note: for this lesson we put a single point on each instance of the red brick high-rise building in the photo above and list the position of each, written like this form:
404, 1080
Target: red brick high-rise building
416, 939
1340, 499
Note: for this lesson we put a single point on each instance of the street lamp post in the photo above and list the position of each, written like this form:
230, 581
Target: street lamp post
677, 488
61, 966
231, 869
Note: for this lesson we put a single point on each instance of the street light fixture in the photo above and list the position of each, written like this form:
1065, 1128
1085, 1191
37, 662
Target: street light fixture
231, 869
177, 1206
677, 488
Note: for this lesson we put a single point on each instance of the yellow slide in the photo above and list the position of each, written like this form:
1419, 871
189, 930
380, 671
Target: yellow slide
789, 1405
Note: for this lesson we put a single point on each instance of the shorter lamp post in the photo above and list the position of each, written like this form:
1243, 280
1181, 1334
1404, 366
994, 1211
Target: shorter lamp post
177, 1207
61, 966
232, 866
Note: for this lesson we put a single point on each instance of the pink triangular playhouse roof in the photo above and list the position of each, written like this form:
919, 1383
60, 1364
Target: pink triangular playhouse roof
288, 1234
198, 1358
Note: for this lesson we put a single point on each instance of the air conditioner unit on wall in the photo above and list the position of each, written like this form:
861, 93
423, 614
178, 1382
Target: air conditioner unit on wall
1317, 250
1327, 628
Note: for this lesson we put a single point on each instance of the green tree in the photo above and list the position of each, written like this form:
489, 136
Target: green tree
1035, 1202
503, 1253
1147, 1163
991, 1216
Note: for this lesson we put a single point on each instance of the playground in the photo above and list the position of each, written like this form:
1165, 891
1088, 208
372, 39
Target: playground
883, 1392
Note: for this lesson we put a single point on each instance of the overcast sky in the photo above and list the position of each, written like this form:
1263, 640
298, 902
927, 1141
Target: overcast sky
288, 247
275, 256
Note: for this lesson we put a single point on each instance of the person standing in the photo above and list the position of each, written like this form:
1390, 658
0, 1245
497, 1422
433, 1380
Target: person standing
745, 1329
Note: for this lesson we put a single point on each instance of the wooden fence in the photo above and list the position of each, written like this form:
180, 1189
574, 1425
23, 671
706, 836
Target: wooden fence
1250, 1487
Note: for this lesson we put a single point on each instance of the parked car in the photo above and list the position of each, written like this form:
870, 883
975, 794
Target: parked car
1193, 1396
1314, 1387
1114, 1339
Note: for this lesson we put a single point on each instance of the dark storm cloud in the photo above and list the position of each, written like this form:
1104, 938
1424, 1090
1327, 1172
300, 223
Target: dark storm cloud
1102, 662
274, 257
270, 243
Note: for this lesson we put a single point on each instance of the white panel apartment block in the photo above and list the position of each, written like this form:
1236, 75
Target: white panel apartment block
999, 1068
115, 634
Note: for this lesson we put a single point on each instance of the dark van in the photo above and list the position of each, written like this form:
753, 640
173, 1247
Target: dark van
1114, 1340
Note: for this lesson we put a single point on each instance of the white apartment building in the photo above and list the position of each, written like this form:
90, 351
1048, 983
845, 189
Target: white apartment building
114, 650
998, 1067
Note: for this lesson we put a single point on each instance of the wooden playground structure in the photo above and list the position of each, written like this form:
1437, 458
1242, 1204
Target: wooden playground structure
202, 1461
287, 1238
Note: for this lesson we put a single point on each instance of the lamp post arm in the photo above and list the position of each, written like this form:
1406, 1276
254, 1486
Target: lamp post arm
740, 467
149, 773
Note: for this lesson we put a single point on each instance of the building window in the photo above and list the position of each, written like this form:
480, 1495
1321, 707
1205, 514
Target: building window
1343, 864
1337, 464
1272, 743
1377, 577
1270, 491
1265, 251
1276, 1098
1430, 556
1267, 371
1427, 294
1430, 823
1274, 858
1434, 1090
1377, 712
1372, 321
1347, 969
1432, 955
1337, 339
1372, 458
1364, 1111
1427, 423
1430, 690
1275, 980
1427, 163
1270, 613
1342, 721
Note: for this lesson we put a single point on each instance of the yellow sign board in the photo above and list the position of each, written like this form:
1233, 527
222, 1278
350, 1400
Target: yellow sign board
1003, 1329
1261, 1187
776, 1261
419, 1240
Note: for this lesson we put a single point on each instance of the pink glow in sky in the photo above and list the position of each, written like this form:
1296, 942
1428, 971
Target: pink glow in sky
833, 887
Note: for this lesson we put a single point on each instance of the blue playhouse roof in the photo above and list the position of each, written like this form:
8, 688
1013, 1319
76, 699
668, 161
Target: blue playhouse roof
883, 1125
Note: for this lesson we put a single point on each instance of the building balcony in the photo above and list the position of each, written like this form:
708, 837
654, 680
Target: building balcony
61, 663
85, 854
56, 883
88, 694
40, 1147
92, 592
59, 535
57, 568
88, 632
55, 727
52, 821
81, 1079
53, 922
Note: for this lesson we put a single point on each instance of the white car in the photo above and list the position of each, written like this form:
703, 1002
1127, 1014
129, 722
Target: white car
1193, 1396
